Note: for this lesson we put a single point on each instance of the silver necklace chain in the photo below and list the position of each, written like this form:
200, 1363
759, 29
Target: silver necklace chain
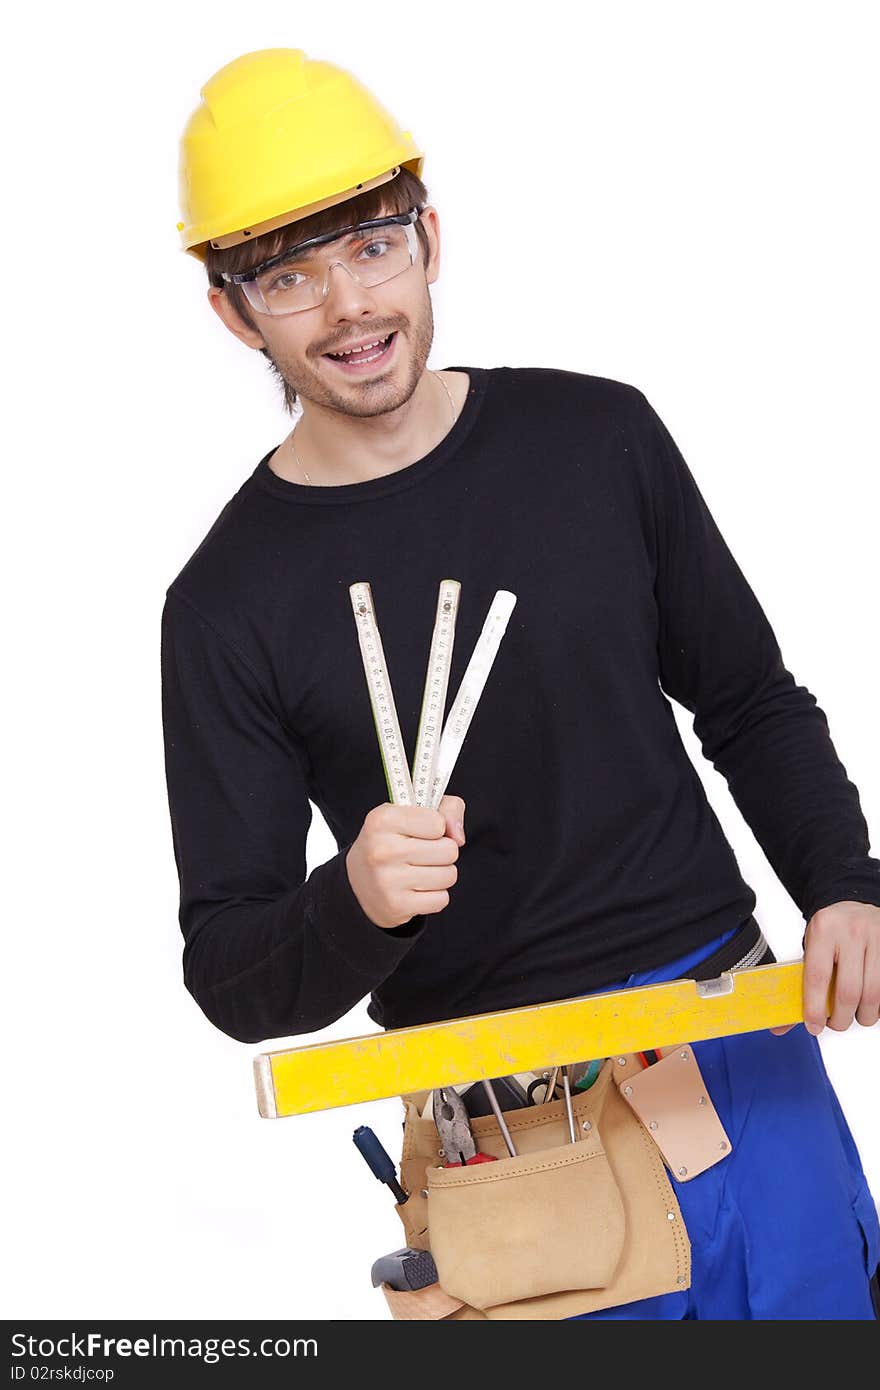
293, 432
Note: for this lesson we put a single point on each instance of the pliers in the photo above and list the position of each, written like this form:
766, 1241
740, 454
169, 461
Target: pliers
453, 1126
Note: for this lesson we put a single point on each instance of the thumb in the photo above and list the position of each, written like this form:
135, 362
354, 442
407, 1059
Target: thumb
786, 1028
452, 809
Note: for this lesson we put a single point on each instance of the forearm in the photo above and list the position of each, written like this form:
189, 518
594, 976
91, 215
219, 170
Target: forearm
776, 753
293, 965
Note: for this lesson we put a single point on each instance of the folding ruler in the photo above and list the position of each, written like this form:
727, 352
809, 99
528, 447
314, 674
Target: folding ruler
434, 759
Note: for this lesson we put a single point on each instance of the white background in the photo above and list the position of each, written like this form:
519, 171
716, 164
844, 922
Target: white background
700, 185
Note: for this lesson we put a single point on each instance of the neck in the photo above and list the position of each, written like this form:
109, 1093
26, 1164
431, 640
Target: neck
332, 448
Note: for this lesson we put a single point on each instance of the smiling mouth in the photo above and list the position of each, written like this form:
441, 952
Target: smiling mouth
361, 362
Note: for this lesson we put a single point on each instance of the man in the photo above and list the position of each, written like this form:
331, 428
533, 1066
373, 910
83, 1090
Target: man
591, 858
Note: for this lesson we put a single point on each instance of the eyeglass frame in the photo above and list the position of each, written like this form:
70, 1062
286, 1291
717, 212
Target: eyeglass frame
404, 219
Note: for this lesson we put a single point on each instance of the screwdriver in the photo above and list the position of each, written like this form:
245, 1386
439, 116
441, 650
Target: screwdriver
496, 1110
379, 1160
566, 1086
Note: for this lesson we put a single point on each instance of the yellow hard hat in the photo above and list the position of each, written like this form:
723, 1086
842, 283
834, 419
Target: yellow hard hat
278, 136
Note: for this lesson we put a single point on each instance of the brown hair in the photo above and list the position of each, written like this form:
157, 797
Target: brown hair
399, 194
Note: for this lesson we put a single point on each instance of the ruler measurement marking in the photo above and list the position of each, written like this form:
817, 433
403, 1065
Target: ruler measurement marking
397, 775
436, 685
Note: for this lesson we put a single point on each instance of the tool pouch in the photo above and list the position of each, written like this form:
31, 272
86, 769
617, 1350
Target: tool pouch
526, 1226
561, 1228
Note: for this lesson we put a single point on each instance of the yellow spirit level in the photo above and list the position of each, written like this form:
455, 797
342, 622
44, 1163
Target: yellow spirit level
321, 1076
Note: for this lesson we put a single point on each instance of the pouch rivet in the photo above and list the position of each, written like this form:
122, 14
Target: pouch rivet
682, 1172
627, 1090
682, 1054
424, 1192
621, 1061
680, 1279
586, 1125
702, 1100
441, 1153
722, 1145
670, 1216
652, 1124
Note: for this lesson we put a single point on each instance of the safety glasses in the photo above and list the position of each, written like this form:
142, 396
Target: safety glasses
298, 277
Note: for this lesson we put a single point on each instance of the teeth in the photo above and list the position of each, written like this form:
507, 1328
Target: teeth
347, 352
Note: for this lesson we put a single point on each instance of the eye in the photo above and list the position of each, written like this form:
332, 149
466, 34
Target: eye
284, 281
379, 244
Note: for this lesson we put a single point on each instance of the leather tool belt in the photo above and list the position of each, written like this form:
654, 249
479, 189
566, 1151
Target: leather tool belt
562, 1227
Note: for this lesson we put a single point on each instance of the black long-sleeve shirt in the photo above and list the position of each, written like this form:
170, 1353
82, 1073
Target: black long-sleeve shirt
591, 848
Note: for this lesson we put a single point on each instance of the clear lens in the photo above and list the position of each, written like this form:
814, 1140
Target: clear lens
372, 255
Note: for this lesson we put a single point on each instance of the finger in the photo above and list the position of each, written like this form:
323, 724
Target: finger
868, 1011
452, 809
426, 852
786, 1028
431, 878
420, 821
848, 986
818, 965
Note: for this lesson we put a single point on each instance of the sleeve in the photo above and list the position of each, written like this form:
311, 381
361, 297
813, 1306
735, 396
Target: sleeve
268, 952
719, 658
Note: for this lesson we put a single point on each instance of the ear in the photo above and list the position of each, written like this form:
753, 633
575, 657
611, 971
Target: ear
431, 222
226, 311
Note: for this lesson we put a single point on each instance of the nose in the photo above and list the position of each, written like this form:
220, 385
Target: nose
344, 293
